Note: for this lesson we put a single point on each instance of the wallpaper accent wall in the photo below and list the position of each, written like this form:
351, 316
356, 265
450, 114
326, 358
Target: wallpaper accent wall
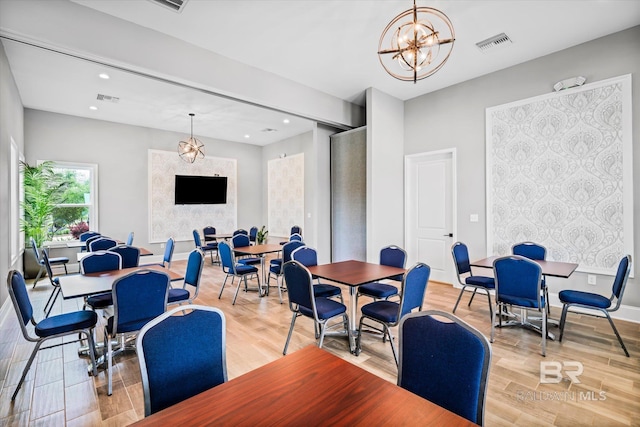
559, 173
166, 219
286, 194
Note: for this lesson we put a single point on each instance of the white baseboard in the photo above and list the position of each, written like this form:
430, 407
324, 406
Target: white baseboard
5, 310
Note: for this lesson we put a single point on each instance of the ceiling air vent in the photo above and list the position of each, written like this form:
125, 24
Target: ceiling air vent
498, 40
107, 98
175, 5
269, 130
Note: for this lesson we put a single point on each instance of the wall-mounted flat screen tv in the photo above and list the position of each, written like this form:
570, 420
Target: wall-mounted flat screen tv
200, 190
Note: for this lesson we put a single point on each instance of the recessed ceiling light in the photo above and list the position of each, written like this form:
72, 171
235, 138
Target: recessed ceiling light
286, 121
104, 76
247, 136
93, 108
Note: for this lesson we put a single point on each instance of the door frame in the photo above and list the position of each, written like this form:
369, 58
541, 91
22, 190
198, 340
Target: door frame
410, 161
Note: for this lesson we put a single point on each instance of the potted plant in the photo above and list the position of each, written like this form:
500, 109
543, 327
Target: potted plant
261, 237
43, 190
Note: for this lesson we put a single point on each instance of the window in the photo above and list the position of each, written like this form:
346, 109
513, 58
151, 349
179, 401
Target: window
78, 210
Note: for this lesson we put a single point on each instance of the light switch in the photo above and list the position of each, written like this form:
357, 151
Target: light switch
473, 217
308, 214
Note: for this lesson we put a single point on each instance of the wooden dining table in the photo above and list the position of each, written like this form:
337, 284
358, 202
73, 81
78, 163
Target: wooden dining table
354, 273
143, 252
310, 387
549, 268
82, 285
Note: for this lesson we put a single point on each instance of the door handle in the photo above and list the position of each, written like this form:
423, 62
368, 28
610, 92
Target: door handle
448, 235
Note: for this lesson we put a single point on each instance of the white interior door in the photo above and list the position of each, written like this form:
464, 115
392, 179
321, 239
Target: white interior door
430, 209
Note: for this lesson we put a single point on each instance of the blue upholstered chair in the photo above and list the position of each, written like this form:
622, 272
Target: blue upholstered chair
466, 277
303, 302
168, 254
130, 255
211, 241
596, 302
533, 251
96, 262
309, 257
241, 240
393, 256
129, 241
519, 284
240, 231
91, 239
295, 237
296, 229
195, 264
445, 362
84, 237
210, 247
138, 298
181, 354
63, 261
389, 313
275, 265
102, 244
77, 322
55, 282
234, 269
253, 234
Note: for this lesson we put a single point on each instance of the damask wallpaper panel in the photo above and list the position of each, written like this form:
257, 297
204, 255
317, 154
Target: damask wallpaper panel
286, 194
559, 173
166, 219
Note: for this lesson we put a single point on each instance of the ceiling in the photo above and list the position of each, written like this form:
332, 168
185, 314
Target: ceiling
329, 45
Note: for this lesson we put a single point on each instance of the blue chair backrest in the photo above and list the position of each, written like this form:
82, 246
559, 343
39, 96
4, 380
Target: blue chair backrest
168, 252
295, 237
20, 297
196, 239
620, 281
87, 234
240, 231
181, 355
97, 262
288, 249
91, 239
518, 277
299, 284
208, 231
530, 250
195, 264
446, 363
306, 256
47, 265
393, 256
240, 240
102, 244
461, 258
253, 233
138, 297
414, 285
35, 249
130, 239
226, 257
130, 255
296, 230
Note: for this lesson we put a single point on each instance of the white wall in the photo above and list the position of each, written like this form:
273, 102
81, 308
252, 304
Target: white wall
11, 126
121, 154
455, 117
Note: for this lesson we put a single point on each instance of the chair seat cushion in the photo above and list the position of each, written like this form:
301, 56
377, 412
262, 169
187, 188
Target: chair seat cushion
323, 290
384, 311
63, 323
249, 261
520, 302
126, 327
245, 269
210, 247
178, 295
327, 308
276, 261
584, 298
378, 290
485, 282
57, 260
275, 269
100, 301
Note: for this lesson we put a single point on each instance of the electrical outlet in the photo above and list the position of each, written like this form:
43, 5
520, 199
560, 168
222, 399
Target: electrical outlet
161, 245
591, 279
473, 218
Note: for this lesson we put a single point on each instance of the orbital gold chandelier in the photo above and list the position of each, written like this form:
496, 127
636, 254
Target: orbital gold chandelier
192, 148
416, 43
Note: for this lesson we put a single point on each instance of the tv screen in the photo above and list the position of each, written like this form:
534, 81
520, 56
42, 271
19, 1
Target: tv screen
200, 190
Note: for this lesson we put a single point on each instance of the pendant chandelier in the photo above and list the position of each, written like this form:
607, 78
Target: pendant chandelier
416, 43
192, 148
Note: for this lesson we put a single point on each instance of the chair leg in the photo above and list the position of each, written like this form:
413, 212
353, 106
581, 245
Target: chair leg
26, 369
279, 281
563, 319
92, 351
455, 307
490, 305
238, 289
544, 331
493, 320
472, 295
38, 276
107, 338
222, 288
54, 295
615, 330
393, 346
293, 322
323, 327
359, 338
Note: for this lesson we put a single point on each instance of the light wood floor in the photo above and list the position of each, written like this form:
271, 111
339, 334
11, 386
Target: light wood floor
58, 390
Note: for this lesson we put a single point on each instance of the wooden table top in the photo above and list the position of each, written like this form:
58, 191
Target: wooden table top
81, 285
354, 273
307, 388
209, 237
258, 249
549, 268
